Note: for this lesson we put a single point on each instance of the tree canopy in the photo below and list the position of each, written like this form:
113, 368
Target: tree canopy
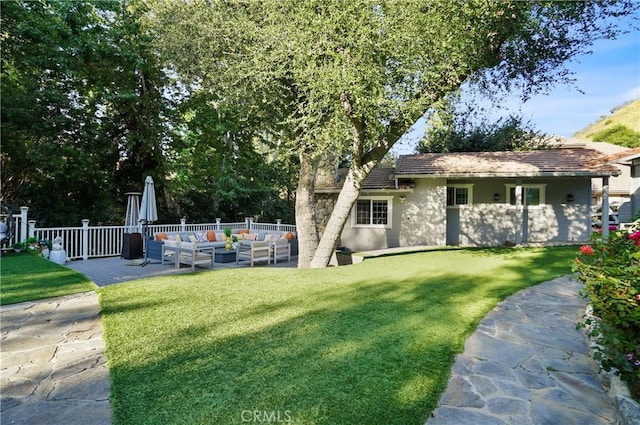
349, 78
232, 105
463, 127
88, 110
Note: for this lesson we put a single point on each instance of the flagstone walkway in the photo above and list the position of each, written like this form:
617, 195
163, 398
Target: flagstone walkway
54, 368
528, 364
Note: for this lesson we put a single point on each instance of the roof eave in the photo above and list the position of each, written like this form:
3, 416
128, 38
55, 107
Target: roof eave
506, 175
367, 190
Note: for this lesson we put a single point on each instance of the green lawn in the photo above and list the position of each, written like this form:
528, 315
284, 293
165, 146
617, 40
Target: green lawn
27, 277
362, 344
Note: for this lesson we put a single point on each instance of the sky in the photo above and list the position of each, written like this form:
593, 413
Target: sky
609, 77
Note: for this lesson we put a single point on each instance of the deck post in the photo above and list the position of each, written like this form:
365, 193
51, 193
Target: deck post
23, 223
32, 228
85, 239
218, 221
278, 224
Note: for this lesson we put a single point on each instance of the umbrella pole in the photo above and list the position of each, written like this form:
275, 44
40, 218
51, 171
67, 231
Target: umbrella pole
146, 243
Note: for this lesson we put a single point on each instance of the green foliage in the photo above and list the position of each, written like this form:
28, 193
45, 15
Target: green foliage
51, 154
83, 117
626, 115
88, 112
226, 167
30, 245
98, 94
610, 271
329, 346
450, 129
619, 135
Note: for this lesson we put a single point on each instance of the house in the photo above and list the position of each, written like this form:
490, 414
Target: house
472, 199
629, 161
620, 187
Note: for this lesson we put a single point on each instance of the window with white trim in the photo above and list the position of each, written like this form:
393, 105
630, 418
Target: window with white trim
372, 212
459, 194
531, 194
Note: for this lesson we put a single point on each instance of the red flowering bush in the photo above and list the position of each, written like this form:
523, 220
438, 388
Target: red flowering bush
610, 271
586, 249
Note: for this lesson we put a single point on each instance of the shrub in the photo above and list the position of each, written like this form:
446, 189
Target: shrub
619, 135
610, 271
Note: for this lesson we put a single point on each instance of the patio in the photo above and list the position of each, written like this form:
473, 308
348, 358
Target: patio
110, 270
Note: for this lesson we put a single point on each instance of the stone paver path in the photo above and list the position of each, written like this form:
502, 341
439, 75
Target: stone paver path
53, 367
527, 364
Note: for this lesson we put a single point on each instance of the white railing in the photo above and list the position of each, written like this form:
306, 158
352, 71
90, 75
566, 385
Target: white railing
86, 241
219, 226
19, 225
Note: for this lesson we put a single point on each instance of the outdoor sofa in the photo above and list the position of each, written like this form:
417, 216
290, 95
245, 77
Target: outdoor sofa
217, 239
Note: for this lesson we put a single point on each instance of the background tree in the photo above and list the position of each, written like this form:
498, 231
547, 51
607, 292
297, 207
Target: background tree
136, 105
457, 127
83, 116
224, 166
351, 77
53, 157
88, 111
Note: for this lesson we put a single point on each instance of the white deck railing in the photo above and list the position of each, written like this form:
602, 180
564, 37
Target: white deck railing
87, 241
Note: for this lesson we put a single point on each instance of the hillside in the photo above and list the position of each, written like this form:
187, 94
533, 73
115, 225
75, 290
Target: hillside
621, 127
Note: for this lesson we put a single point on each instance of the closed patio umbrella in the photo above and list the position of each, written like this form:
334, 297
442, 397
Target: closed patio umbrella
148, 210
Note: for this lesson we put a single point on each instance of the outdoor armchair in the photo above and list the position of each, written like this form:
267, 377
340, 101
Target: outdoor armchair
192, 254
254, 251
169, 252
281, 248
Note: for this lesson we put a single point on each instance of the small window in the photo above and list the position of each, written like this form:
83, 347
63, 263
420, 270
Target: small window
374, 212
459, 195
532, 195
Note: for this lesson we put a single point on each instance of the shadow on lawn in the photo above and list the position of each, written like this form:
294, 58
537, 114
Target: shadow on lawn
367, 352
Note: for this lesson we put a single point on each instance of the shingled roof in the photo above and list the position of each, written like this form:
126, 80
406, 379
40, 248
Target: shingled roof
568, 162
620, 157
379, 179
552, 162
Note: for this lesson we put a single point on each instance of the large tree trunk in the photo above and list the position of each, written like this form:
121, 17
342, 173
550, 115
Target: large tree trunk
306, 217
347, 197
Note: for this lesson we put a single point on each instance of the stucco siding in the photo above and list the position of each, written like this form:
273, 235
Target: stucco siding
371, 238
486, 225
553, 223
423, 218
424, 213
360, 239
490, 221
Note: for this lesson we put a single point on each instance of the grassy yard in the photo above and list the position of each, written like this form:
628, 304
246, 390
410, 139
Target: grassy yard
362, 344
27, 277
